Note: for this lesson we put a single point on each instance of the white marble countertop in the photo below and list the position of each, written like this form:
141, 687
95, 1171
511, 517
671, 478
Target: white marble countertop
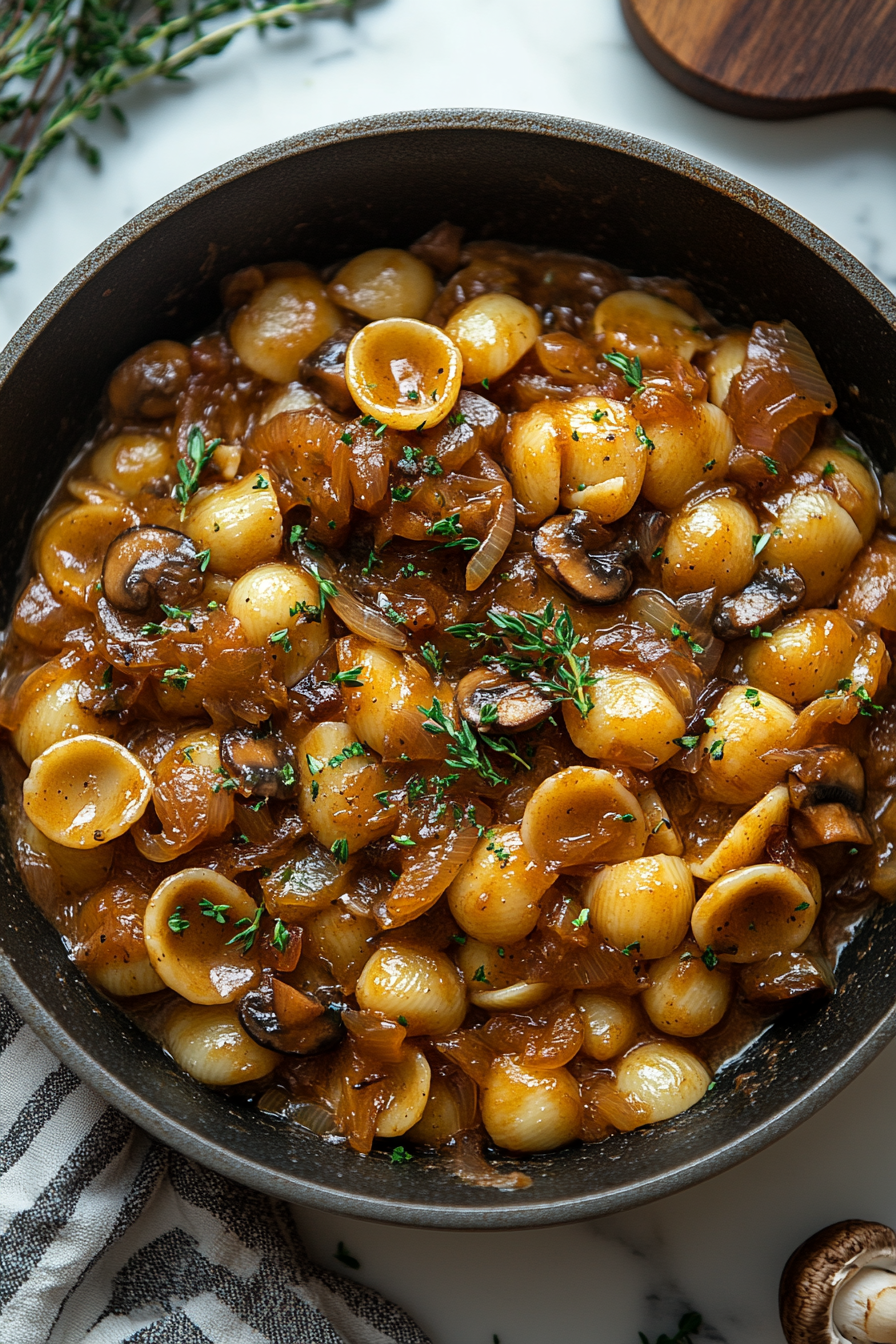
719, 1248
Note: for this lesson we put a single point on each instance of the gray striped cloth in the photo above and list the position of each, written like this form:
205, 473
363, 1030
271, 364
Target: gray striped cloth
107, 1237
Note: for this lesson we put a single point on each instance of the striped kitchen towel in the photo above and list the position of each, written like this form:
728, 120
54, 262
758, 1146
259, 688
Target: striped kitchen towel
107, 1237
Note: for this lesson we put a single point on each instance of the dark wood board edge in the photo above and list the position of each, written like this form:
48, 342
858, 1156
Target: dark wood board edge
724, 99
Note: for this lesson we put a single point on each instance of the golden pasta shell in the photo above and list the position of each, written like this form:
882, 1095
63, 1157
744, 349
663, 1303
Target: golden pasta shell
410, 1081
748, 723
583, 815
53, 712
644, 904
424, 988
86, 790
239, 524
269, 600
815, 535
745, 842
806, 656
281, 324
709, 544
188, 944
755, 911
492, 332
647, 326
633, 719
384, 282
404, 373
532, 456
685, 997
611, 1023
210, 1044
661, 1079
528, 1109
497, 893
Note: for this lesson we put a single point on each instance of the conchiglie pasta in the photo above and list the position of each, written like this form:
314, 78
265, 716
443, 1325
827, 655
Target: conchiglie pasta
806, 656
492, 332
528, 1109
72, 549
384, 282
685, 997
383, 707
854, 487
51, 710
724, 361
532, 455
85, 791
755, 911
496, 895
424, 988
818, 537
692, 442
710, 545
633, 722
603, 457
210, 1044
644, 904
131, 462
611, 1023
409, 1082
747, 724
189, 926
652, 328
583, 815
239, 524
404, 373
661, 1080
281, 324
339, 782
270, 601
342, 938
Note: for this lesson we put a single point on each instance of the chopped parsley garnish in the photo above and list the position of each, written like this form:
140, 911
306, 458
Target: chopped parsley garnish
401, 492
828, 470
177, 676
771, 465
480, 976
641, 436
687, 742
339, 850
212, 911
581, 918
632, 947
717, 750
280, 936
405, 841
399, 1155
760, 542
431, 656
203, 557
176, 921
281, 637
372, 559
261, 483
709, 959
247, 935
758, 633
288, 774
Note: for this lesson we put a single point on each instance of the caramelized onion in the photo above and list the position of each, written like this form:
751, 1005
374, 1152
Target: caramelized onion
499, 534
360, 619
424, 880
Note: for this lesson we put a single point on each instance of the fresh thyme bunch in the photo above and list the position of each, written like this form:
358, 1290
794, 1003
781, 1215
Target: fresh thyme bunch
63, 61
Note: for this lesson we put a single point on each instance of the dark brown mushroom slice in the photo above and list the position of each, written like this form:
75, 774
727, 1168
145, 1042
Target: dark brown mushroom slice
840, 1285
490, 700
285, 1019
440, 247
259, 763
150, 381
324, 371
828, 824
763, 602
826, 774
149, 566
785, 976
578, 554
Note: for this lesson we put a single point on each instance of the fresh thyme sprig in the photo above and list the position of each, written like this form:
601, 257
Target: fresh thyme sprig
544, 644
466, 751
190, 468
63, 61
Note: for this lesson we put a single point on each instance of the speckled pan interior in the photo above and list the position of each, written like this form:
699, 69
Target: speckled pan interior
325, 195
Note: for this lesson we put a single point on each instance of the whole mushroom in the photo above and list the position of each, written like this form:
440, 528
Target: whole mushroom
839, 1287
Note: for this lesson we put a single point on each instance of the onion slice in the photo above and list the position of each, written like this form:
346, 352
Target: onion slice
360, 619
423, 882
500, 533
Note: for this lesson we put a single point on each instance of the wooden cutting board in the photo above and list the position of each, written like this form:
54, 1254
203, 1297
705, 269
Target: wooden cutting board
772, 58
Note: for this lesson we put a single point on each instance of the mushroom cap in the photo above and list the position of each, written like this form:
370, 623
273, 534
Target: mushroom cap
819, 1268
764, 600
582, 557
148, 565
517, 704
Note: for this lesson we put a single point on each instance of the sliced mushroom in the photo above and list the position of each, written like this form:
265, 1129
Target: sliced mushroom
579, 554
440, 247
150, 381
324, 371
763, 602
149, 565
839, 1287
489, 699
259, 763
826, 775
284, 1019
785, 976
828, 824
